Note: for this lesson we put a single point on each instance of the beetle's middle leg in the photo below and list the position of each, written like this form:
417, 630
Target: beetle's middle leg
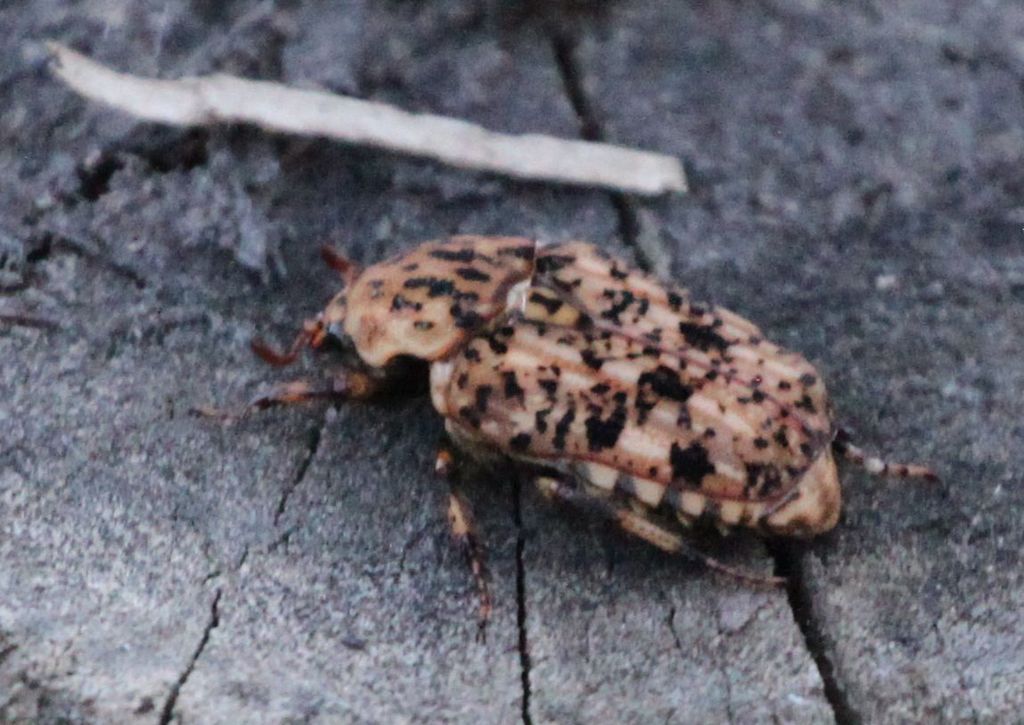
642, 526
465, 535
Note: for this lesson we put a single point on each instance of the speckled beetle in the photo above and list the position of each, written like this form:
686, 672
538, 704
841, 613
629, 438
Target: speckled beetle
620, 393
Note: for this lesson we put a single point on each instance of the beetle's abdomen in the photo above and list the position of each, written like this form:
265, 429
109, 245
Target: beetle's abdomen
433, 299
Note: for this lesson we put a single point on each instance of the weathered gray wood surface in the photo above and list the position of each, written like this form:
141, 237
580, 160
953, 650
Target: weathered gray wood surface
857, 189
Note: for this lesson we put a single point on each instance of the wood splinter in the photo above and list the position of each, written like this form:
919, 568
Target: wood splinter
227, 99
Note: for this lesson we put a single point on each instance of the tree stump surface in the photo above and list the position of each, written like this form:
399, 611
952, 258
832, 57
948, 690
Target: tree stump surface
856, 178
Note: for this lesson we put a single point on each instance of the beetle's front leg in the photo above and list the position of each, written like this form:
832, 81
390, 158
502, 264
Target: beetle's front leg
344, 385
642, 526
464, 533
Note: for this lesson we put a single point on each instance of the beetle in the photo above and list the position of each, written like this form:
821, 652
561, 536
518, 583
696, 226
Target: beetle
617, 391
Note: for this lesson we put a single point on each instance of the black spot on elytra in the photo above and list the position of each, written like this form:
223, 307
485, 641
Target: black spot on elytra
465, 319
806, 404
512, 387
496, 345
626, 298
763, 481
806, 450
604, 433
483, 394
760, 443
645, 304
519, 442
711, 374
462, 380
784, 385
551, 305
521, 252
652, 471
709, 433
553, 262
454, 255
550, 387
410, 267
472, 274
435, 286
675, 301
600, 388
562, 428
780, 437
591, 360
690, 464
423, 325
540, 420
643, 407
665, 383
702, 337
616, 273
471, 354
757, 396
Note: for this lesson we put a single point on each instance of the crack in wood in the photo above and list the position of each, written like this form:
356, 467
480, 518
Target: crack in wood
167, 711
48, 243
315, 436
591, 129
523, 641
789, 564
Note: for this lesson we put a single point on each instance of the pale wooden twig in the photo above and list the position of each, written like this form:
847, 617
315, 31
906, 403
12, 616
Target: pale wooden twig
222, 98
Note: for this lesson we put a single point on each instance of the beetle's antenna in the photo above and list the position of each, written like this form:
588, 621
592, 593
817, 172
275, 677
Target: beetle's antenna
876, 466
341, 264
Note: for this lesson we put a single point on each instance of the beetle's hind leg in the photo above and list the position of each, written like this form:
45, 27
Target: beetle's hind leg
642, 526
345, 385
465, 535
876, 466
